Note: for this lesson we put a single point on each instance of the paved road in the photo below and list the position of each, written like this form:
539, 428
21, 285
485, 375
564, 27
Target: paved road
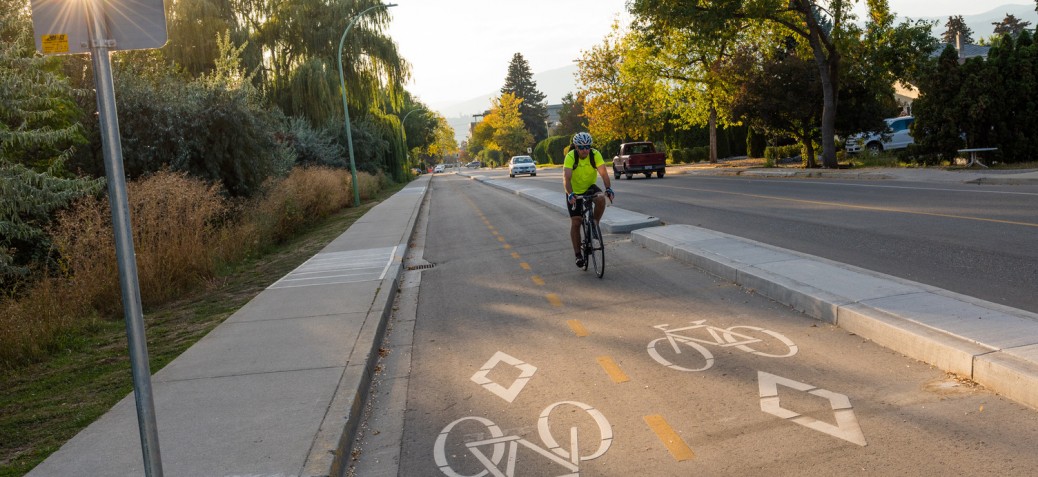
513, 348
973, 239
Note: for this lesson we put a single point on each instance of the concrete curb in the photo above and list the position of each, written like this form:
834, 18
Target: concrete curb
992, 344
614, 221
992, 180
329, 454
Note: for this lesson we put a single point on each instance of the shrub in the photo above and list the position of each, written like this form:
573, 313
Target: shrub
555, 148
312, 147
183, 229
677, 156
777, 153
540, 152
697, 154
756, 143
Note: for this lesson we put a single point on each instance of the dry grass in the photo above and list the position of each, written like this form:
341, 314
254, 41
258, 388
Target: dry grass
183, 231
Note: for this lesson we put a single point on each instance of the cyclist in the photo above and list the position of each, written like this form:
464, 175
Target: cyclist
578, 177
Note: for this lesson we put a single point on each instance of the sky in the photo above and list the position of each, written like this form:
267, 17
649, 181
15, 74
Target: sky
460, 49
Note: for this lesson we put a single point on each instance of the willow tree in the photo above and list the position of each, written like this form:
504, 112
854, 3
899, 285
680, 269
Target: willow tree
194, 29
299, 41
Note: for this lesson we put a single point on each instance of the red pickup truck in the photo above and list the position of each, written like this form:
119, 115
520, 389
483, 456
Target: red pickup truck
639, 158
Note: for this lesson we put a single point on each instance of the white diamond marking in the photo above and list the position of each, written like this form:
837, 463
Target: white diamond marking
847, 427
511, 392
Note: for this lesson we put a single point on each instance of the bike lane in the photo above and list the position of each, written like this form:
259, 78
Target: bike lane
524, 365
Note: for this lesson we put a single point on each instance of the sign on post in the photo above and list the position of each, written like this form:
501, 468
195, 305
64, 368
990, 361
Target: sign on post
98, 27
61, 26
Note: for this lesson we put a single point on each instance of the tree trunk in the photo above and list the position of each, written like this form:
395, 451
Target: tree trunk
828, 71
713, 134
809, 150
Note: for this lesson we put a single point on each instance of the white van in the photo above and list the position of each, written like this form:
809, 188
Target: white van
897, 136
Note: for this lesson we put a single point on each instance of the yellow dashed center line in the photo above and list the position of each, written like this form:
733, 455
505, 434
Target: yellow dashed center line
537, 280
674, 443
612, 369
554, 300
502, 239
577, 327
515, 255
526, 266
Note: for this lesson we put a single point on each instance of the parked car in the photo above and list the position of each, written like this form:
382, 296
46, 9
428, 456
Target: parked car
521, 165
473, 165
639, 158
896, 136
438, 168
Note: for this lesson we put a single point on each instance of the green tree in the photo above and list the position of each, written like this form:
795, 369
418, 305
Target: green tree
876, 57
692, 64
571, 115
938, 118
520, 84
956, 26
772, 98
624, 98
821, 24
38, 114
1010, 25
510, 136
28, 201
445, 144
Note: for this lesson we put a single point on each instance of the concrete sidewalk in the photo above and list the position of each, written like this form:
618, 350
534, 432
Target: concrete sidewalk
277, 389
994, 345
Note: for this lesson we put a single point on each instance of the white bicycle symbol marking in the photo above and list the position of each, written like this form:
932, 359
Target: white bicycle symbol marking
567, 458
723, 337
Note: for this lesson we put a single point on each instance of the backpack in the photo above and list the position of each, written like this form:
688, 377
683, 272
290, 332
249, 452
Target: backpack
590, 156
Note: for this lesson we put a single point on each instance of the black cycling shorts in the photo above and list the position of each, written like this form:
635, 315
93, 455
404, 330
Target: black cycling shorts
578, 208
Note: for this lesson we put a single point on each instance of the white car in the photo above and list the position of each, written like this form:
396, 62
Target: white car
438, 168
521, 165
897, 136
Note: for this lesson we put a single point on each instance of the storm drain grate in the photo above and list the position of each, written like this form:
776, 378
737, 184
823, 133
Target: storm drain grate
420, 267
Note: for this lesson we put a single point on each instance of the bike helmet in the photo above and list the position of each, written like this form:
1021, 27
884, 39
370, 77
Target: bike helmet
581, 139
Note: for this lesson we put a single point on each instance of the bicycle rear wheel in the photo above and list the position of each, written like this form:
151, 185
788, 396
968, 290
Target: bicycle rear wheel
597, 252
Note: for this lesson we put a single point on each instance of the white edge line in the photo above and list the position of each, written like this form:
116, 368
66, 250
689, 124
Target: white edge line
392, 255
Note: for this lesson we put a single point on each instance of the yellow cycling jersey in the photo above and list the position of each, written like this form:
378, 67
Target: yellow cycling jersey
584, 172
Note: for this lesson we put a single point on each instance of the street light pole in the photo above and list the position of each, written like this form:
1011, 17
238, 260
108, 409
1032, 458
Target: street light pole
345, 108
407, 152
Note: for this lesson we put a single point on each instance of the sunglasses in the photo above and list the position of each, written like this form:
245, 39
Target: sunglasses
583, 148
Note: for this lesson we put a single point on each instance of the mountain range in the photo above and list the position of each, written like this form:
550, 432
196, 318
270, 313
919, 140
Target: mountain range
981, 23
556, 83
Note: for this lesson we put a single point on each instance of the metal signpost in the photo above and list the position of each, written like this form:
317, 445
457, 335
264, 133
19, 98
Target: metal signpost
99, 27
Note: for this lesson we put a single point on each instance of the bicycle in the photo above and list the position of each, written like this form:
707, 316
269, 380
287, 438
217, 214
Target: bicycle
592, 249
723, 337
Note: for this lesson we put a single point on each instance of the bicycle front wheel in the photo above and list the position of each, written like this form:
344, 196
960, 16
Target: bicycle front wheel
597, 252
